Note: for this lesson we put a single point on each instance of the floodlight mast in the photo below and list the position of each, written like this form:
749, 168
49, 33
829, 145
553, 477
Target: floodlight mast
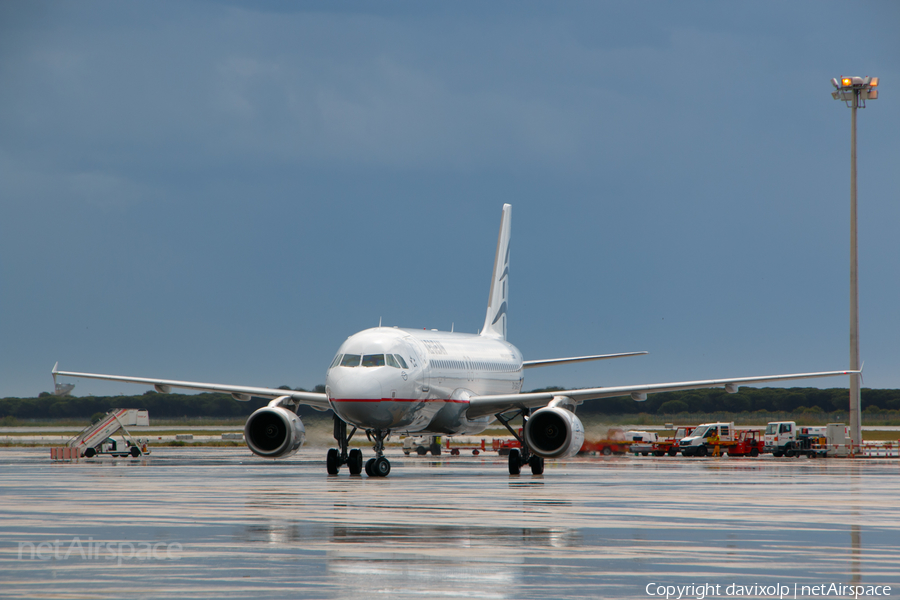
854, 91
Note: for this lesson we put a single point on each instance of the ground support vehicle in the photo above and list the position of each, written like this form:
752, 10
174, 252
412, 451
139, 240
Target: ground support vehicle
785, 438
422, 445
503, 446
749, 443
663, 446
96, 439
455, 450
708, 439
605, 447
885, 449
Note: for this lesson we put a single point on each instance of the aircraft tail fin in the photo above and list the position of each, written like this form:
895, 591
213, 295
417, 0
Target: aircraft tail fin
495, 320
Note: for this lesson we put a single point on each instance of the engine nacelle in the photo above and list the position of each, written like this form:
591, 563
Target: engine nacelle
554, 432
274, 432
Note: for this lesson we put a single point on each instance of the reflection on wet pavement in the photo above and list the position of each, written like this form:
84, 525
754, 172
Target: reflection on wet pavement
236, 526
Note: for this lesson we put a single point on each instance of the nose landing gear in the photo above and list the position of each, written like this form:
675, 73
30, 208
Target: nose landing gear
337, 457
378, 466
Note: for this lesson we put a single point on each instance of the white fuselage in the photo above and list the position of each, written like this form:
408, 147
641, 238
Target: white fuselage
419, 381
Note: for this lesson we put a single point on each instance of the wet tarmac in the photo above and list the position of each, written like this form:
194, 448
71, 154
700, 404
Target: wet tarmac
221, 523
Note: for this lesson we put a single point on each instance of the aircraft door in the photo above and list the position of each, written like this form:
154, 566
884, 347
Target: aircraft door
415, 356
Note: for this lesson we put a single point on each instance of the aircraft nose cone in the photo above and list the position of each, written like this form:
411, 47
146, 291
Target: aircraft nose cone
347, 387
356, 395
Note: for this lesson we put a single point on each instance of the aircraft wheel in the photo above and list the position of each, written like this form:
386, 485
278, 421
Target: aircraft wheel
332, 461
421, 450
135, 451
355, 461
381, 467
515, 465
435, 449
369, 464
89, 452
537, 465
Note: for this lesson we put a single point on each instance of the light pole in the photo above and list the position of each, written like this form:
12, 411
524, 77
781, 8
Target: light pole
854, 91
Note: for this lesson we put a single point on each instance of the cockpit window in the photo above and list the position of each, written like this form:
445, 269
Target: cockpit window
336, 361
401, 361
391, 361
350, 360
373, 360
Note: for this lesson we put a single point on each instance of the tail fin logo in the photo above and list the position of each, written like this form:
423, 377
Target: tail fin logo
498, 303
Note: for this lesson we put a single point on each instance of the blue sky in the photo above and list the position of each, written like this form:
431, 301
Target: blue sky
223, 192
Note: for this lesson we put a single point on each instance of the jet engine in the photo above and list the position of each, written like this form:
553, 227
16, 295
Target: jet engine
554, 432
274, 432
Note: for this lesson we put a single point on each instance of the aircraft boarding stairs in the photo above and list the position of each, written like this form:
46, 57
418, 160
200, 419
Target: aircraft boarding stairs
95, 438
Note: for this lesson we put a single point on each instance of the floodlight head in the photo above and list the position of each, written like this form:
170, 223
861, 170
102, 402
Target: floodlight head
835, 83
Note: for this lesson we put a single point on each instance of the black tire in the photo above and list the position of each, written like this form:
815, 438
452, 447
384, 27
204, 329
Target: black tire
332, 461
702, 451
789, 452
90, 452
381, 467
421, 450
606, 451
355, 461
369, 464
659, 453
435, 449
515, 465
777, 454
754, 452
454, 452
673, 452
537, 465
135, 451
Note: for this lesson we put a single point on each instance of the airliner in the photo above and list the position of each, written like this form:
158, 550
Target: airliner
387, 380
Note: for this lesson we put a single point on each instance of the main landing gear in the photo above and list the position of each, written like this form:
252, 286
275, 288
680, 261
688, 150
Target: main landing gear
336, 457
518, 458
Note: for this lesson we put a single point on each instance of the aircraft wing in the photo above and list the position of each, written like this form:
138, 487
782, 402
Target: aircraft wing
480, 406
530, 364
238, 392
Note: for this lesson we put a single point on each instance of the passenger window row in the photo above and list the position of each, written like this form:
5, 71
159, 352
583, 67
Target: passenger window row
480, 365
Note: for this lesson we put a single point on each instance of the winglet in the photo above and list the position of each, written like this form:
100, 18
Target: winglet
495, 320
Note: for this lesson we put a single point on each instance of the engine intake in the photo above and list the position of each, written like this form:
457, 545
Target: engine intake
554, 432
274, 432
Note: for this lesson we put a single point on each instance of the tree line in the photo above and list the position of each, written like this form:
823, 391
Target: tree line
793, 400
